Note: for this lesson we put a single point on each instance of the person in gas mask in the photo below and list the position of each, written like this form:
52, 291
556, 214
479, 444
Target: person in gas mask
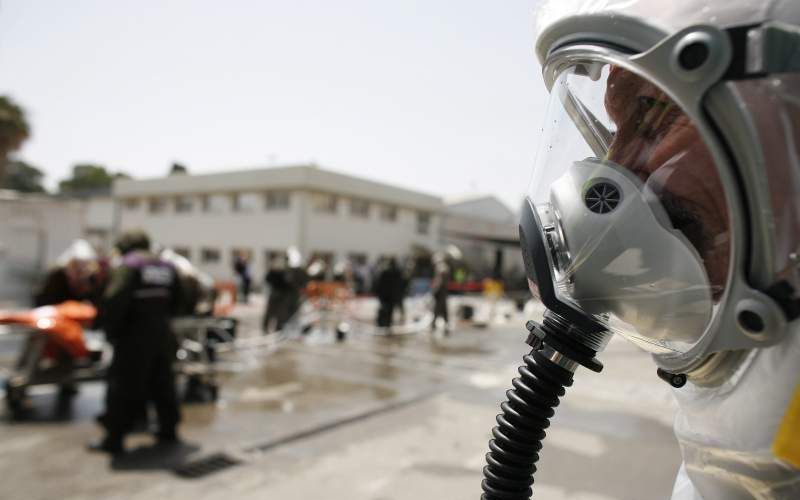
665, 207
143, 294
79, 275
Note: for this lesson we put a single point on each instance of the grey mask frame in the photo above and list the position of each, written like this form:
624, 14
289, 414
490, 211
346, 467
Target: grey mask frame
689, 85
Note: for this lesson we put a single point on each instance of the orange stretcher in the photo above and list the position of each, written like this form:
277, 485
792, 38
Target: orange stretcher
54, 351
62, 324
57, 351
327, 290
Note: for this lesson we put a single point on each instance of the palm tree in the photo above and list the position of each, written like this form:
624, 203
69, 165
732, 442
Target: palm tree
14, 129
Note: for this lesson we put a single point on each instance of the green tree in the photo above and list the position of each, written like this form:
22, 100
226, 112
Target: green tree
14, 129
88, 179
21, 176
178, 169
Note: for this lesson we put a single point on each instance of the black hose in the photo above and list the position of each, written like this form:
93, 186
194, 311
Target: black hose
518, 436
559, 347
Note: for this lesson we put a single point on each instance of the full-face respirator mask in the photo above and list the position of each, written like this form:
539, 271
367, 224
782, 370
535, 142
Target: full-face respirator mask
639, 223
614, 256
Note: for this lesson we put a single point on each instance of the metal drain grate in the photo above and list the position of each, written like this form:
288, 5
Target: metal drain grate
207, 465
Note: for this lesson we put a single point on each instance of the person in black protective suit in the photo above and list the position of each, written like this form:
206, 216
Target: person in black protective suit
440, 294
389, 288
241, 267
298, 278
280, 285
143, 294
285, 281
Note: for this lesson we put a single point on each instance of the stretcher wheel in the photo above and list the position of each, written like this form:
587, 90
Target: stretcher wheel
200, 391
213, 392
15, 401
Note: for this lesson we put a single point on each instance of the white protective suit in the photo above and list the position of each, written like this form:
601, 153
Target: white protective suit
739, 439
726, 433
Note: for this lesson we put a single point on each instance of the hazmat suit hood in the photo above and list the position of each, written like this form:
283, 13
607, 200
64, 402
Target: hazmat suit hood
657, 282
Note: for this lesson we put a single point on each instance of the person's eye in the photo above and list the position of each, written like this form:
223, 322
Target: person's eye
647, 102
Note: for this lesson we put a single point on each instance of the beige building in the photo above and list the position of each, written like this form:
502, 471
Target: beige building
486, 232
261, 212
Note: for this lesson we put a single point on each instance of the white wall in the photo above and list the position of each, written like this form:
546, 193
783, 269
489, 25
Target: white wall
343, 233
99, 222
34, 231
99, 212
257, 231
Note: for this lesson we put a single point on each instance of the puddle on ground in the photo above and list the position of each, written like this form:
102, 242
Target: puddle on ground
455, 348
283, 385
443, 469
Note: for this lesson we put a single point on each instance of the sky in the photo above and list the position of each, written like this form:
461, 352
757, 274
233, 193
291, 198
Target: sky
441, 96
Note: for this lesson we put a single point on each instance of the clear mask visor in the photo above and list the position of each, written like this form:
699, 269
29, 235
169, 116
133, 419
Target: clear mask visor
632, 208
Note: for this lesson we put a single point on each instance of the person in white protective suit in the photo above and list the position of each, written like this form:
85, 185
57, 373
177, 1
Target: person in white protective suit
665, 207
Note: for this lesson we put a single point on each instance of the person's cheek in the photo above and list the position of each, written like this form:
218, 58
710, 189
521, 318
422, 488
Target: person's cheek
687, 170
631, 152
612, 105
621, 110
683, 168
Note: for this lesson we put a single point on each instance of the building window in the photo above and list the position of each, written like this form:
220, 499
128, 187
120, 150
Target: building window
156, 205
210, 256
183, 252
385, 258
131, 203
243, 253
183, 204
273, 257
359, 208
388, 213
215, 203
324, 203
357, 258
245, 202
423, 222
276, 200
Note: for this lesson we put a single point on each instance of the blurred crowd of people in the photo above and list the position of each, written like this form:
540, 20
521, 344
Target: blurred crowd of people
287, 281
137, 291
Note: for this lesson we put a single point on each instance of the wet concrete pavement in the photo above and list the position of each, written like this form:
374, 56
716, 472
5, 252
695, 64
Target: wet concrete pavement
373, 418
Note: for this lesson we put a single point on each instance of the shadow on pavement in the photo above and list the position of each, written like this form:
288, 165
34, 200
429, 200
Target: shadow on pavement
154, 457
56, 406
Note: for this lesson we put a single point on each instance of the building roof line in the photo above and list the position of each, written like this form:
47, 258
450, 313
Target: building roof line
305, 177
